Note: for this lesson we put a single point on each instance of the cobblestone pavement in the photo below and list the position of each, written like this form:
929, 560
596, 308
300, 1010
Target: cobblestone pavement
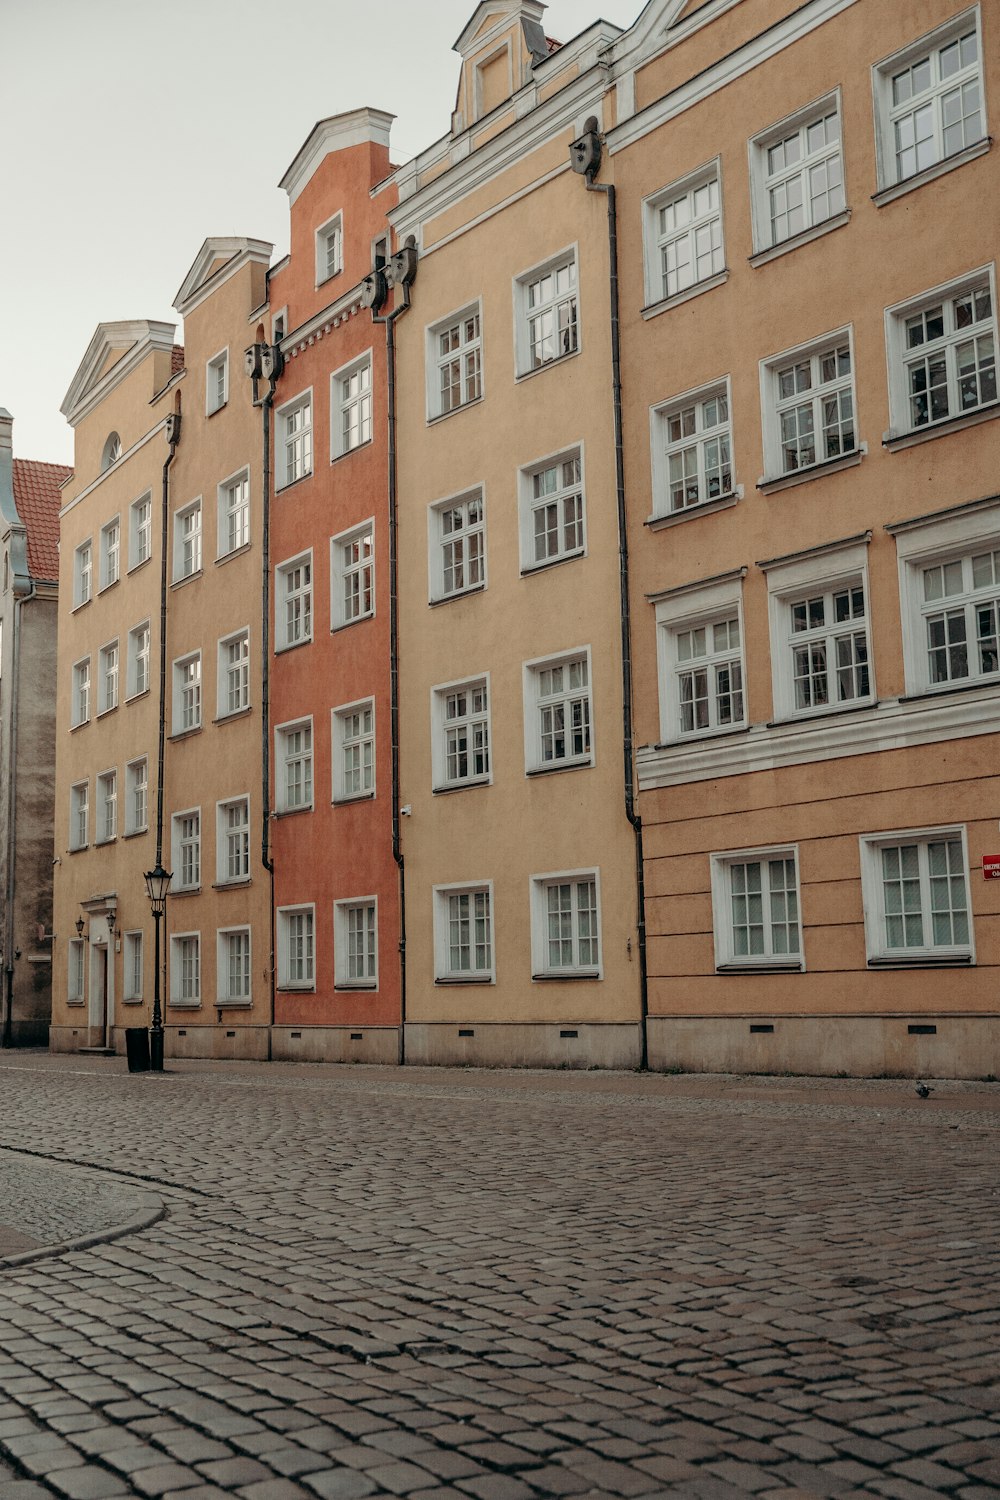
493, 1286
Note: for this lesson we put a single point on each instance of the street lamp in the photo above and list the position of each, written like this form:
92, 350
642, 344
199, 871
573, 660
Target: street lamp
157, 886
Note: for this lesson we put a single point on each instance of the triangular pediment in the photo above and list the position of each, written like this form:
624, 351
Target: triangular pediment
215, 256
495, 15
114, 349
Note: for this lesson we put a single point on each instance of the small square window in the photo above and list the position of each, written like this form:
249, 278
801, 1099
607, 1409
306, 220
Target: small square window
329, 249
352, 575
916, 897
233, 966
355, 943
692, 450
464, 945
140, 531
293, 602
186, 849
217, 382
456, 538
293, 440
232, 841
455, 361
187, 694
294, 755
80, 707
185, 969
110, 553
234, 513
187, 541
808, 405
929, 101
552, 510
234, 674
566, 926
296, 948
942, 353
557, 713
797, 174
755, 909
137, 796
137, 663
547, 313
460, 731
107, 807
683, 234
83, 573
107, 678
354, 751
351, 407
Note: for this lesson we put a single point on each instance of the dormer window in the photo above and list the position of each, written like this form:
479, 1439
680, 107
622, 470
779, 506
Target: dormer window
329, 249
112, 451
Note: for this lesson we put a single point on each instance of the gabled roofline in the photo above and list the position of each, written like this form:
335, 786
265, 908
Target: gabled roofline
138, 337
237, 251
504, 11
356, 127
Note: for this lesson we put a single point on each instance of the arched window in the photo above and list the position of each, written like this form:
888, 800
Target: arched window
112, 451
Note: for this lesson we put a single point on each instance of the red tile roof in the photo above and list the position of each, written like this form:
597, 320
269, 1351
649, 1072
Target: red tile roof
552, 44
177, 359
37, 497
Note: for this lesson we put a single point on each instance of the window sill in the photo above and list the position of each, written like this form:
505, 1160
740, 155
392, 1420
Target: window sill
236, 552
106, 711
461, 786
106, 588
804, 237
811, 716
442, 416
463, 979
550, 364
134, 567
135, 833
582, 764
353, 797
103, 843
814, 471
225, 1002
894, 441
78, 849
237, 713
178, 583
347, 624
82, 725
185, 890
185, 734
216, 409
552, 562
290, 484
76, 1004
327, 279
132, 1000
922, 961
82, 605
567, 974
368, 988
134, 697
286, 988
185, 1004
703, 507
293, 645
233, 885
654, 309
938, 169
766, 966
291, 812
951, 689
702, 737
336, 458
474, 588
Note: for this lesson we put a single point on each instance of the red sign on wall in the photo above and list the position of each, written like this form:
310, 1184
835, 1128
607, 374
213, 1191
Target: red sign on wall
991, 866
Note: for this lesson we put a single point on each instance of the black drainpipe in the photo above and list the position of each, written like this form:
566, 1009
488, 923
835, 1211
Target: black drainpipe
402, 268
173, 435
585, 157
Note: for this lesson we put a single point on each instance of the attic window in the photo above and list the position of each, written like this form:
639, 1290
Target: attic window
112, 451
329, 249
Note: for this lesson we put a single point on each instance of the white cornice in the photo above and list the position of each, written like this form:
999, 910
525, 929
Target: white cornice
138, 338
337, 133
236, 251
504, 12
115, 469
322, 323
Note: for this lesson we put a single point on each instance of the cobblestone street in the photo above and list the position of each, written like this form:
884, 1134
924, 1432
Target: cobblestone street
349, 1282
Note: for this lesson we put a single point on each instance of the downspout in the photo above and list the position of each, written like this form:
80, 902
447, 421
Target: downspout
8, 943
401, 268
173, 434
585, 157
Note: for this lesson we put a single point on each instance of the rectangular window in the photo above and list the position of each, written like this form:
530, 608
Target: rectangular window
110, 552
557, 713
461, 734
136, 796
83, 573
454, 362
187, 694
329, 249
797, 174
457, 545
293, 602
352, 575
80, 708
296, 951
553, 514
76, 971
916, 897
233, 976
185, 969
355, 943
107, 807
820, 631
186, 851
295, 767
137, 661
566, 925
463, 934
232, 841
234, 674
234, 513
700, 658
942, 353
132, 967
547, 318
217, 382
79, 815
187, 542
808, 405
929, 101
351, 407
293, 426
692, 450
107, 678
755, 906
354, 751
140, 531
683, 234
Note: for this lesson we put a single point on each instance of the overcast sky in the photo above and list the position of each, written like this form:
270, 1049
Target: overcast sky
134, 129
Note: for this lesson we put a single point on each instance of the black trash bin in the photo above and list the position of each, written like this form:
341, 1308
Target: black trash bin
137, 1048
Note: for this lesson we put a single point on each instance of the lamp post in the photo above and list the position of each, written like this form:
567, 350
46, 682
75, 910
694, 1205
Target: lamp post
157, 886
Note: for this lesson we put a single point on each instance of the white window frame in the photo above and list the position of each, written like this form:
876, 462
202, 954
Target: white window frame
82, 690
342, 570
79, 815
800, 580
227, 676
655, 240
329, 265
541, 964
279, 324
531, 506
441, 725
467, 354
232, 842
83, 573
687, 609
76, 971
305, 982
137, 652
283, 760
526, 362
187, 699
132, 967
137, 795
185, 993
664, 447
467, 544
535, 703
443, 896
774, 405
110, 553
217, 382
879, 950
108, 665
344, 913
140, 531
363, 745
223, 974
234, 518
186, 849
764, 179
886, 112
188, 541
727, 955
293, 448
107, 807
947, 344
344, 440
939, 541
301, 617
